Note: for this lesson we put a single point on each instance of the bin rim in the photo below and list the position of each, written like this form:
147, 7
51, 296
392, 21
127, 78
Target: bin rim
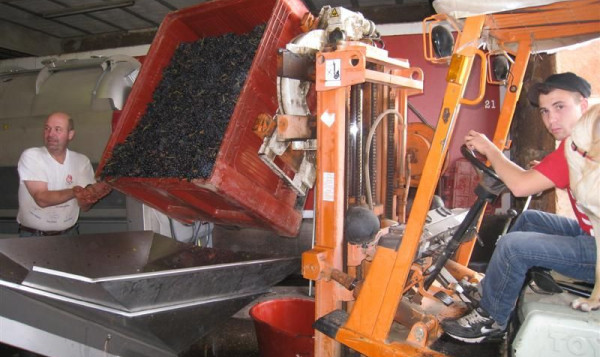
275, 300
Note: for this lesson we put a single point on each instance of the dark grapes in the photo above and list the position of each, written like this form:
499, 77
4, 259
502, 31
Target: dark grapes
180, 134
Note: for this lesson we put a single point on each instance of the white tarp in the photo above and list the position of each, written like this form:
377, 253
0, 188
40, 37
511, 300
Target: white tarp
465, 8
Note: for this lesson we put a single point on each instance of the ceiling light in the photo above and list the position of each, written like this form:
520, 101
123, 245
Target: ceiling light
87, 8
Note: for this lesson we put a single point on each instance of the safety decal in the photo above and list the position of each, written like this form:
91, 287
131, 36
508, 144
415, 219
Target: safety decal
328, 118
332, 72
328, 186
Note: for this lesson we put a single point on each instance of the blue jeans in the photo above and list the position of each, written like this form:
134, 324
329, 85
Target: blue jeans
537, 239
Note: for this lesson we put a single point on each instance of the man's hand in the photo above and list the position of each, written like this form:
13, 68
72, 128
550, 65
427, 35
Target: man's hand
83, 199
91, 194
480, 143
83, 196
520, 182
99, 190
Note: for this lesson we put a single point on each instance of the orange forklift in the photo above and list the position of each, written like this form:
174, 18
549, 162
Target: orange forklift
385, 278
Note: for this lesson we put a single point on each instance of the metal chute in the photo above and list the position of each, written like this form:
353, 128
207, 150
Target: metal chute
149, 292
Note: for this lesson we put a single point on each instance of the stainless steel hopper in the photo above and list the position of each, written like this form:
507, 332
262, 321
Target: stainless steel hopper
144, 290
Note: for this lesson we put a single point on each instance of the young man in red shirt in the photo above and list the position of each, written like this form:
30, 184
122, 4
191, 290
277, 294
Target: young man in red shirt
537, 239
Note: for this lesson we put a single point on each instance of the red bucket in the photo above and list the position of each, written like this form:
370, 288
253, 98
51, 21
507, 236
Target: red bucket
284, 327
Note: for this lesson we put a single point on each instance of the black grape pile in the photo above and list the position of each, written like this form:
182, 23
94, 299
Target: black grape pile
180, 134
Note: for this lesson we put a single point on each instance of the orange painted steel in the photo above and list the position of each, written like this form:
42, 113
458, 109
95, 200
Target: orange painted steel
514, 85
368, 325
376, 305
331, 122
402, 180
418, 142
557, 20
332, 91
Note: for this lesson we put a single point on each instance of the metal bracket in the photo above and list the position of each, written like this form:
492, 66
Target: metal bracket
304, 179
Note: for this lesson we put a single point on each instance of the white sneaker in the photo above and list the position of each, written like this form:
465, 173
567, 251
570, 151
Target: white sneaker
473, 327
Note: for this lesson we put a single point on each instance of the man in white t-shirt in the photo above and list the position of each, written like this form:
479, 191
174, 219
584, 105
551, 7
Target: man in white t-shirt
52, 180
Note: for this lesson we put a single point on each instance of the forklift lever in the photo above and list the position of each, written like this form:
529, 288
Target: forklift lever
488, 190
455, 242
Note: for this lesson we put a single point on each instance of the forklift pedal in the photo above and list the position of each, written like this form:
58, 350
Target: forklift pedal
544, 282
443, 297
330, 324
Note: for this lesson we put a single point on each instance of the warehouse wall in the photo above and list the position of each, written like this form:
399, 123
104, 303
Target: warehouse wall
481, 117
585, 61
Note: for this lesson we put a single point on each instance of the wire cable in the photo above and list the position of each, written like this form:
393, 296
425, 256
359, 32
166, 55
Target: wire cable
368, 151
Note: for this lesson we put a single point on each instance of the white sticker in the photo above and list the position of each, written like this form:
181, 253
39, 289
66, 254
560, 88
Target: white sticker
332, 72
328, 118
328, 186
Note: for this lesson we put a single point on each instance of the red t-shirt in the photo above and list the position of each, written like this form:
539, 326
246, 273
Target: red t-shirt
555, 167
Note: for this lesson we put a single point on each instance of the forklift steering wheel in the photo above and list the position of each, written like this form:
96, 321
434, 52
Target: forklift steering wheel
469, 155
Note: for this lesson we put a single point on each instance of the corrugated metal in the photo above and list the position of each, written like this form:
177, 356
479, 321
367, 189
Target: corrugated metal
27, 20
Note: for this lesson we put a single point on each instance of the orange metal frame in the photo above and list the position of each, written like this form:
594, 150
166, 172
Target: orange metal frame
368, 325
332, 90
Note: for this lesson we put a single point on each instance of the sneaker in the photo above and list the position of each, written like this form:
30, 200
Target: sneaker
473, 327
470, 294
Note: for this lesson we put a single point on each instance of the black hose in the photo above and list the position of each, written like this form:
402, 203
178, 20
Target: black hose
419, 115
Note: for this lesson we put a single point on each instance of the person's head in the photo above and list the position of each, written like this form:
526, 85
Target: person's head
585, 138
58, 131
561, 99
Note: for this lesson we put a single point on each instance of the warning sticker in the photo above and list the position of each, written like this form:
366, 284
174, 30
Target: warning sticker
328, 186
332, 72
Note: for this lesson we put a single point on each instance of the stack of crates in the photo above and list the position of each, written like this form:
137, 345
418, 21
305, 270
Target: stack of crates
459, 185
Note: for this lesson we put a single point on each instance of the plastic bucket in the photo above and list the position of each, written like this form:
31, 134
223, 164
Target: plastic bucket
284, 327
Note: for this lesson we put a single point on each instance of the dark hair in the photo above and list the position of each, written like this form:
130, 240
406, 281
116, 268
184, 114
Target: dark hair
567, 81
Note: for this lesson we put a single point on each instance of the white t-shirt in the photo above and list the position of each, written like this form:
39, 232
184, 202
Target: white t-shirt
36, 164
